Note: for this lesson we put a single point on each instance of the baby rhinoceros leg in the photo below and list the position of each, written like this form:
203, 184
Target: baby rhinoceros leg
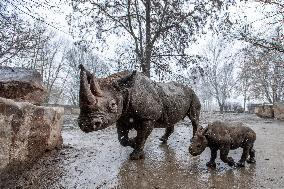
168, 132
244, 157
224, 151
212, 163
252, 156
247, 151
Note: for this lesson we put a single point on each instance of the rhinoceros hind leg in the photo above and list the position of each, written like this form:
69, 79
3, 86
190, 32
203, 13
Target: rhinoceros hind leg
194, 112
244, 157
193, 115
168, 132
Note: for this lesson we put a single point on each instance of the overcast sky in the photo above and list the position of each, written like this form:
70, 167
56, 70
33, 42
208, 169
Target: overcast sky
56, 15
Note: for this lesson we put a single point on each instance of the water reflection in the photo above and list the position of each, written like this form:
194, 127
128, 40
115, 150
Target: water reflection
162, 169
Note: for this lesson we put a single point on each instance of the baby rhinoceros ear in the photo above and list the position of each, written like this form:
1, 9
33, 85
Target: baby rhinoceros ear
201, 131
204, 131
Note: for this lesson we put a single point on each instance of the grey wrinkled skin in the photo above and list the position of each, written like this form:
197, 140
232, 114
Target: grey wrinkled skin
133, 101
224, 136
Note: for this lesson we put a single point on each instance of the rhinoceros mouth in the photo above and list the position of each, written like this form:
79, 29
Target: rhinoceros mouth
87, 129
194, 153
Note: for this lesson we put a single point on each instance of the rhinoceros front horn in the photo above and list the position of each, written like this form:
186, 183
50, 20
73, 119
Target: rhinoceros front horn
95, 87
86, 98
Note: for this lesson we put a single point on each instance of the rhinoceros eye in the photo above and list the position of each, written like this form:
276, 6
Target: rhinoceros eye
113, 105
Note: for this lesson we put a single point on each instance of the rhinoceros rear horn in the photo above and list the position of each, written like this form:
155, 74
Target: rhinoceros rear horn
85, 96
95, 87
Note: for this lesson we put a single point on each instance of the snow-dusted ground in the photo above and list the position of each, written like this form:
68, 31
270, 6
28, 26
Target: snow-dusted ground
96, 160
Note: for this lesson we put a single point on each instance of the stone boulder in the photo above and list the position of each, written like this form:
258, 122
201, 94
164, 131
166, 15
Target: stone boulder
264, 111
27, 132
279, 111
22, 84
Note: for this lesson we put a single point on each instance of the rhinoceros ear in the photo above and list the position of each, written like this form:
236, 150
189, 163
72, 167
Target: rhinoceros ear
81, 67
126, 82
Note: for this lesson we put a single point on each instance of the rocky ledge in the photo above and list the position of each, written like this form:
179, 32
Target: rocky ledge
270, 111
22, 84
26, 133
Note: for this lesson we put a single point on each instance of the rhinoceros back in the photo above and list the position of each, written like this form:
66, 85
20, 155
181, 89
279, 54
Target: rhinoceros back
166, 103
176, 99
145, 99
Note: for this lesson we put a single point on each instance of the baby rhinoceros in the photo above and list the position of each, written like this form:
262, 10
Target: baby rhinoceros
224, 136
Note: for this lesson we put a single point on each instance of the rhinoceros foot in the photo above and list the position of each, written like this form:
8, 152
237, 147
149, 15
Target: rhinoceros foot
163, 140
231, 162
127, 142
211, 164
251, 160
241, 164
137, 154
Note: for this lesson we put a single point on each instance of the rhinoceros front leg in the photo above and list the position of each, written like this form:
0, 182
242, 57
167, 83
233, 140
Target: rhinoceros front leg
143, 131
212, 163
122, 131
224, 151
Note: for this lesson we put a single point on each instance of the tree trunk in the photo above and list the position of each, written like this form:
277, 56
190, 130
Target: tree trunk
221, 109
146, 63
245, 99
221, 106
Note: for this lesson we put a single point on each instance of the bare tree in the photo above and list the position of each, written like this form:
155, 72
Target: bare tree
157, 30
17, 36
219, 70
245, 82
269, 37
266, 74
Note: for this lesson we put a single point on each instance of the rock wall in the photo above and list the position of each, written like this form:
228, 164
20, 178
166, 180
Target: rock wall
264, 111
27, 131
279, 111
270, 111
22, 84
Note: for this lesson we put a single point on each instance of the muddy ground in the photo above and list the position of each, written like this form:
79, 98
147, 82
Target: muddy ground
97, 160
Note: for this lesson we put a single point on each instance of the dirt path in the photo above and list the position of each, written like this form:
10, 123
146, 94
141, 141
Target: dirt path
96, 160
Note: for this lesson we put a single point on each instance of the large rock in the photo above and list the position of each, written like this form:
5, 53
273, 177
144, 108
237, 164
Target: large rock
26, 132
22, 84
279, 111
264, 111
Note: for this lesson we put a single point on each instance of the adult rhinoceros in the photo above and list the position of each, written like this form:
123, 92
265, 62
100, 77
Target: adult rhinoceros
133, 101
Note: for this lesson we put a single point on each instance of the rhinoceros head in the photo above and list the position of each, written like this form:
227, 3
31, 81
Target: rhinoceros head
99, 108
